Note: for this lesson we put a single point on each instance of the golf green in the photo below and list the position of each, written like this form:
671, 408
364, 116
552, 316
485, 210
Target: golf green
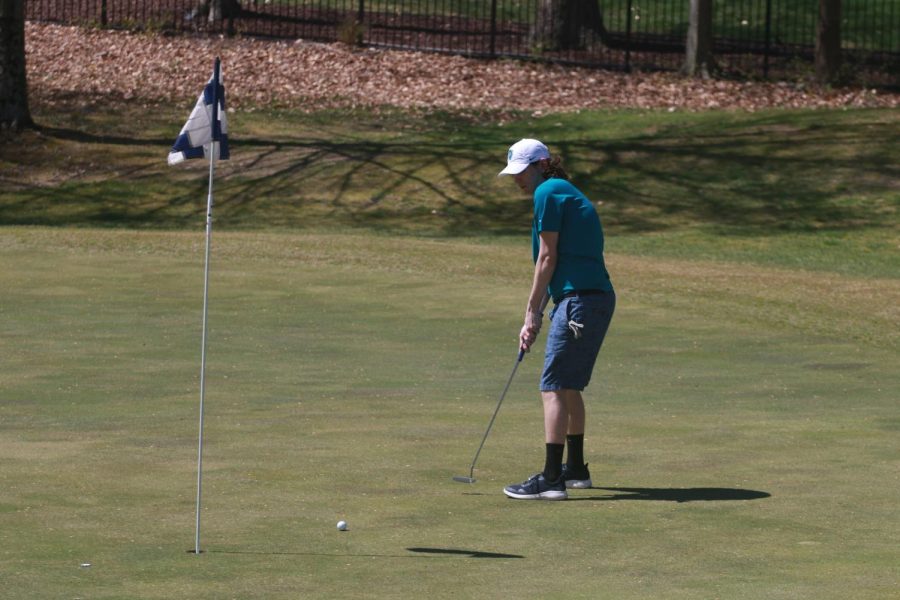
742, 424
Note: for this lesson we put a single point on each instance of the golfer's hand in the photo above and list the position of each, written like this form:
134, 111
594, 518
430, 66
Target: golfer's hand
530, 330
526, 339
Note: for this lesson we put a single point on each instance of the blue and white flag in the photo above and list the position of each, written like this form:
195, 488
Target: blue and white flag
206, 128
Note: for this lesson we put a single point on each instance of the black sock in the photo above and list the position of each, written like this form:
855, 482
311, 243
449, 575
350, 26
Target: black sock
575, 459
553, 463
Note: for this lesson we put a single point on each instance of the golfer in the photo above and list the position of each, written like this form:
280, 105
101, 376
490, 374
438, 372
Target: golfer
567, 245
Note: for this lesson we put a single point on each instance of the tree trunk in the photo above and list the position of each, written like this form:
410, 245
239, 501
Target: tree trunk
828, 41
14, 112
698, 59
566, 24
226, 11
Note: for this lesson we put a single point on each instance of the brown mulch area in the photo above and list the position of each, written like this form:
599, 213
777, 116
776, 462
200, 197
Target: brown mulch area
95, 66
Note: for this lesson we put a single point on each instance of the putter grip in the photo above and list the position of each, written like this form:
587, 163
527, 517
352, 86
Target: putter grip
521, 355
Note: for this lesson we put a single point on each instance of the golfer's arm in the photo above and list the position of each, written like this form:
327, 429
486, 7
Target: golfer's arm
543, 272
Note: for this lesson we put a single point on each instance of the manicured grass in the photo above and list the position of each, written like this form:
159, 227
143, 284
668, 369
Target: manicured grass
742, 444
368, 277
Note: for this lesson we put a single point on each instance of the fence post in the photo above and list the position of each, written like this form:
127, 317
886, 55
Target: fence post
103, 18
768, 48
493, 28
628, 19
361, 13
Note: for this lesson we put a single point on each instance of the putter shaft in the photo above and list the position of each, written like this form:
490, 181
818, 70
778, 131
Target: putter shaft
471, 477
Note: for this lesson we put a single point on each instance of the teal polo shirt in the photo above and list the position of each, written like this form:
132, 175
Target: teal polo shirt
561, 207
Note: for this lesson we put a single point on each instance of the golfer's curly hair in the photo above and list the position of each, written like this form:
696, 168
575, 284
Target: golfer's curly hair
553, 168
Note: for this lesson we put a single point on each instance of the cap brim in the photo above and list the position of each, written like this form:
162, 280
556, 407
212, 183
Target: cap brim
513, 169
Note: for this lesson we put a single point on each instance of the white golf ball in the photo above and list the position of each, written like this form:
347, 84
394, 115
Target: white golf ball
342, 525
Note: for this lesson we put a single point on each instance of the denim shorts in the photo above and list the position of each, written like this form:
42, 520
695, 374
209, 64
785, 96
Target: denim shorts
572, 350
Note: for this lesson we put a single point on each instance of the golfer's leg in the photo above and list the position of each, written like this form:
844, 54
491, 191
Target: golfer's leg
575, 408
556, 417
550, 485
556, 420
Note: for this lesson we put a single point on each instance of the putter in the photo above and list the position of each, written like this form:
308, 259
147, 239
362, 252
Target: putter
471, 478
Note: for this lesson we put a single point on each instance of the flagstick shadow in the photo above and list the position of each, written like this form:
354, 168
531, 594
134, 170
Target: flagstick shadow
418, 552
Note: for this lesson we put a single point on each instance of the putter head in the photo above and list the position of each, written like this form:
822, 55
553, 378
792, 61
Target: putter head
462, 479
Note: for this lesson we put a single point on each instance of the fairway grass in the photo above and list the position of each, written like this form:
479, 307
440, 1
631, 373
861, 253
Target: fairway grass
742, 423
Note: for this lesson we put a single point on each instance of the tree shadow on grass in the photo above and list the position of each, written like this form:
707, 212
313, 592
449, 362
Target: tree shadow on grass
763, 174
679, 495
85, 137
759, 173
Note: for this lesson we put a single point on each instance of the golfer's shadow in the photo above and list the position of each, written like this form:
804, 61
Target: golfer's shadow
675, 494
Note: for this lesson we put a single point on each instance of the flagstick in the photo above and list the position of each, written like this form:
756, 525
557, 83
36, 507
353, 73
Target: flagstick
209, 204
209, 207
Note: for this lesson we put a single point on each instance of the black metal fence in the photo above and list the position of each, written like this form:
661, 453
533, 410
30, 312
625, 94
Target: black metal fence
757, 38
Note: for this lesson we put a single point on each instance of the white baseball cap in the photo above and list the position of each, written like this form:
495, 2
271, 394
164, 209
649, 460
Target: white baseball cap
523, 153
